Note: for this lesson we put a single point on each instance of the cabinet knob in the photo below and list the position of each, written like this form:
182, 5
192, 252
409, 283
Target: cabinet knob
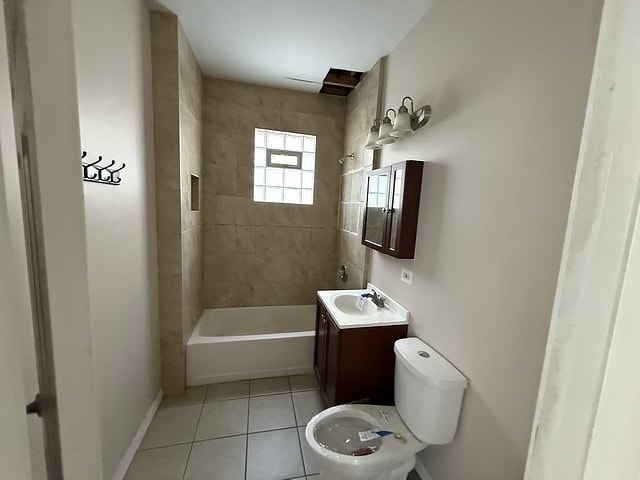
324, 319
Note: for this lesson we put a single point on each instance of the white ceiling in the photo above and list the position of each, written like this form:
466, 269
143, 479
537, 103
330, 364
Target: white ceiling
265, 41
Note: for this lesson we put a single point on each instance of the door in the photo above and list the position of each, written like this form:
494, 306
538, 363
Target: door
22, 284
375, 215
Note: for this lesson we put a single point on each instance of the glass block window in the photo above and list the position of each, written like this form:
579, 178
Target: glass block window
284, 167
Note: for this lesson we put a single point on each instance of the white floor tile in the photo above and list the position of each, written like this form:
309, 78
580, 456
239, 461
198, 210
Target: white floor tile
220, 459
268, 386
310, 465
191, 396
228, 390
274, 455
167, 463
223, 419
172, 426
306, 405
300, 383
270, 412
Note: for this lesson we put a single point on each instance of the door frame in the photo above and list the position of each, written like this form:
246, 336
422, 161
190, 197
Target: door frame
586, 424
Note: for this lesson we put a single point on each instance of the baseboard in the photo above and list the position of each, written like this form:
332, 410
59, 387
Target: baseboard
422, 471
127, 458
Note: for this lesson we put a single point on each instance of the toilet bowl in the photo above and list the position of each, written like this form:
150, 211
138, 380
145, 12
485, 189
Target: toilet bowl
334, 437
375, 442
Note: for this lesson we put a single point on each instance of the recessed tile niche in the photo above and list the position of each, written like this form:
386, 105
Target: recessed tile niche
195, 193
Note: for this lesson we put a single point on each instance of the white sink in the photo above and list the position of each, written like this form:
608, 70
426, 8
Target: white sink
347, 303
342, 305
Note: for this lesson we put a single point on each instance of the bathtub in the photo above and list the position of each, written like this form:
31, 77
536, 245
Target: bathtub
251, 342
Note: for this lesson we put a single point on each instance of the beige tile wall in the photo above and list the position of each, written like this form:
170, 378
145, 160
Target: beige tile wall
363, 105
263, 253
190, 97
177, 92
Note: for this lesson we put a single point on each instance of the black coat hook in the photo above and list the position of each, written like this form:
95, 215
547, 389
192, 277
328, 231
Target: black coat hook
93, 172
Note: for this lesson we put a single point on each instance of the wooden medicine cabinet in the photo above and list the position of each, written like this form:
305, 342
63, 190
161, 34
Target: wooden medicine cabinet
391, 213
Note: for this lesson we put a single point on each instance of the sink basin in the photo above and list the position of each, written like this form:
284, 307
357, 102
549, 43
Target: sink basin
342, 307
347, 304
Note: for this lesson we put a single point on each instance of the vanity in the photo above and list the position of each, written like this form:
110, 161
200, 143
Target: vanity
353, 355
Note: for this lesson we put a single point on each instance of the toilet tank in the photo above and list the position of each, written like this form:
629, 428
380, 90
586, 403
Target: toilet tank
428, 391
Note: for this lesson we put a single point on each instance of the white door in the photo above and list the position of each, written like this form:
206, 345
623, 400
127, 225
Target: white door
29, 433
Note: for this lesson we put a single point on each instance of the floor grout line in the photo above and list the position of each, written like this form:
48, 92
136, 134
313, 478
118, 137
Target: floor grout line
203, 403
246, 438
184, 471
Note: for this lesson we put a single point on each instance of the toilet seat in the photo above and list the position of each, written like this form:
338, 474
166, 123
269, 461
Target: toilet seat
398, 447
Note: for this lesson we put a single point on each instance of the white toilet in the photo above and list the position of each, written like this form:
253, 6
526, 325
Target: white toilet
428, 395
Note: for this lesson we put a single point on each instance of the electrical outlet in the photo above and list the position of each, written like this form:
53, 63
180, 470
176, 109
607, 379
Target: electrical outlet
406, 276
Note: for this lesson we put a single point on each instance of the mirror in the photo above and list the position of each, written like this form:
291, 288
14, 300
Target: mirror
377, 187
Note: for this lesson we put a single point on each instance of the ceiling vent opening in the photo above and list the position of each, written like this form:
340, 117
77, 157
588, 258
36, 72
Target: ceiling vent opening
340, 82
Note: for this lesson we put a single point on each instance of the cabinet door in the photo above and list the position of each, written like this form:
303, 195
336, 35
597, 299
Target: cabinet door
375, 216
320, 351
395, 207
404, 203
334, 368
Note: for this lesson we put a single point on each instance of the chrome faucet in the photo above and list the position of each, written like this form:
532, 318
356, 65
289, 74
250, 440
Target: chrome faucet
377, 300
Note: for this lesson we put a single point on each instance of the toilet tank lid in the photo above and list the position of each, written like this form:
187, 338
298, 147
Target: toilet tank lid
428, 365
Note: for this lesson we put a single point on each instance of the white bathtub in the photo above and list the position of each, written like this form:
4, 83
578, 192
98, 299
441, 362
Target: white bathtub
251, 342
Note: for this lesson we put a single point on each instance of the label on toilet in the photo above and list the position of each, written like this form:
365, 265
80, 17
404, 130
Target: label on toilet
368, 435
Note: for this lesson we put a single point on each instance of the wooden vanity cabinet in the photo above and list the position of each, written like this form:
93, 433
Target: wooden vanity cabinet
354, 364
391, 215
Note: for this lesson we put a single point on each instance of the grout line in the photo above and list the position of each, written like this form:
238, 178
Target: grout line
163, 446
184, 472
195, 432
295, 419
198, 424
246, 437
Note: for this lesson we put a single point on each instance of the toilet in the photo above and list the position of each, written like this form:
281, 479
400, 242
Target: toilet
380, 442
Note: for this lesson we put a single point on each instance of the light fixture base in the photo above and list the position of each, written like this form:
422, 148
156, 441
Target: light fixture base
420, 117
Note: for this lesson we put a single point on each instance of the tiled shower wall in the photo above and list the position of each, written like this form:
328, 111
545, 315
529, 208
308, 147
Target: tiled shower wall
190, 165
177, 88
363, 105
265, 253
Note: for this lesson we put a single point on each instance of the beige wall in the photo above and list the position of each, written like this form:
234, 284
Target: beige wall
114, 100
178, 137
508, 83
363, 105
264, 253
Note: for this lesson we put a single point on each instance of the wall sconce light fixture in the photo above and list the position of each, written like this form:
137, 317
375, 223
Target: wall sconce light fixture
405, 123
372, 138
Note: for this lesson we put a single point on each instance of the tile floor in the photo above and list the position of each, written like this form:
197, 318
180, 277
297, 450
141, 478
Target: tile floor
247, 430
